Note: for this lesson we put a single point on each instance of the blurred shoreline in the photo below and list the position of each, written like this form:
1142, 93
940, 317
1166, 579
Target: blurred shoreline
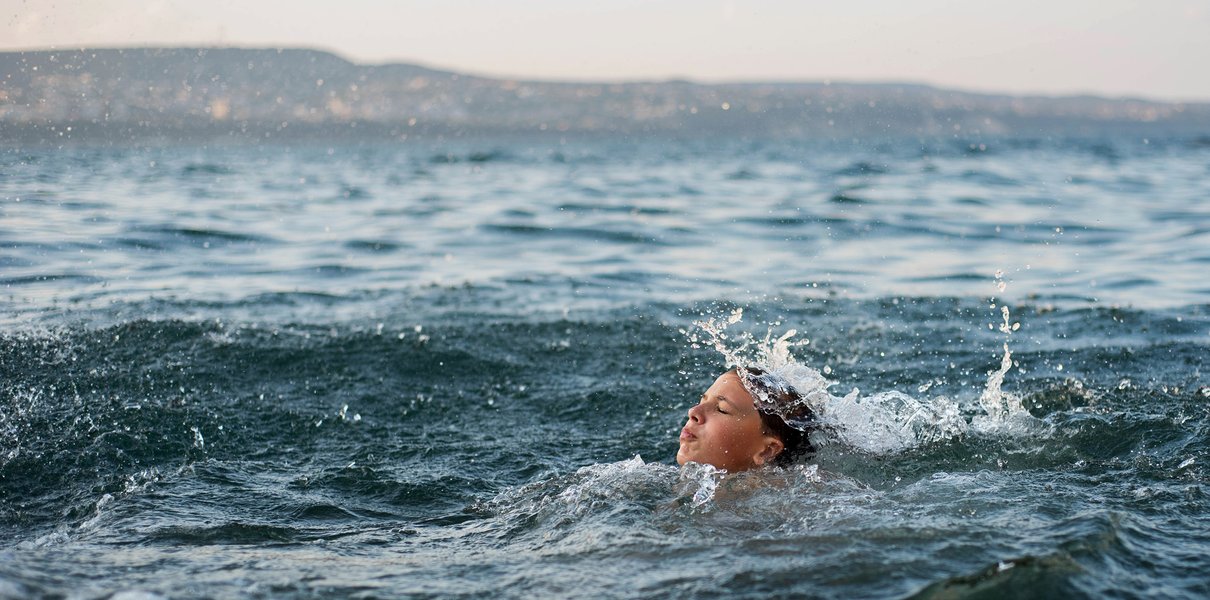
242, 95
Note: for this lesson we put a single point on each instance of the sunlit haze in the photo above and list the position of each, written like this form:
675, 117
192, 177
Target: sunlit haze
1108, 47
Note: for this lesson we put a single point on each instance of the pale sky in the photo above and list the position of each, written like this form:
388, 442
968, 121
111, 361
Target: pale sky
1158, 49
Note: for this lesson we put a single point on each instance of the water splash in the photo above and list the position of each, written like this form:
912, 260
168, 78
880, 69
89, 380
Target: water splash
603, 491
994, 401
882, 423
885, 422
1002, 409
892, 421
773, 356
700, 482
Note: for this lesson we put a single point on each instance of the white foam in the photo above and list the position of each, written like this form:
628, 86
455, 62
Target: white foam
884, 422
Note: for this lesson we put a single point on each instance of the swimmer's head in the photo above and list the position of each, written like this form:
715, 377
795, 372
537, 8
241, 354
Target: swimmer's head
746, 420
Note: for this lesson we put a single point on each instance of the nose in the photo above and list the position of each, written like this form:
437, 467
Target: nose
695, 413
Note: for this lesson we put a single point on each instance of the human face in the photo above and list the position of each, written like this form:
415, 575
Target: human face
724, 429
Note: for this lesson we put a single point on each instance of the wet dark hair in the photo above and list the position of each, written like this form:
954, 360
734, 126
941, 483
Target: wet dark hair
797, 442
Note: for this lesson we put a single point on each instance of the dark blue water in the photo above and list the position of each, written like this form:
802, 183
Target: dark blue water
458, 369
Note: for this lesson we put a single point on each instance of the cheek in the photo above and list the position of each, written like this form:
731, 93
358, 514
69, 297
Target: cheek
726, 431
728, 434
738, 435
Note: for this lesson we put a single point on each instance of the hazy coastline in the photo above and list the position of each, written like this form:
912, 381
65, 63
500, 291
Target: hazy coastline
245, 95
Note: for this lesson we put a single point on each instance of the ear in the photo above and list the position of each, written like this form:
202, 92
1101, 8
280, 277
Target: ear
769, 451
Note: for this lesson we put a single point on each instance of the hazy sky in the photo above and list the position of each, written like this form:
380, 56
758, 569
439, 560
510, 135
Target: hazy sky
1158, 49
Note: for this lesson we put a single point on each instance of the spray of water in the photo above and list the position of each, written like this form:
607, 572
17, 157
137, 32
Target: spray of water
1001, 409
881, 423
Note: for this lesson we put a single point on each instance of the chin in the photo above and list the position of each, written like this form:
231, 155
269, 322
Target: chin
682, 457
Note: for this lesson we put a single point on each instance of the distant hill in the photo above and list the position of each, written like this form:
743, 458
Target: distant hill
249, 94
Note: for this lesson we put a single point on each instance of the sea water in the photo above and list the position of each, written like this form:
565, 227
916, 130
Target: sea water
458, 368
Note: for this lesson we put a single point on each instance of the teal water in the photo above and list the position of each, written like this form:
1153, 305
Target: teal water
458, 370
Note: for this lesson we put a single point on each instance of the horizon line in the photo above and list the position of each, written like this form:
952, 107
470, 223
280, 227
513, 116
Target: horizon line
826, 81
